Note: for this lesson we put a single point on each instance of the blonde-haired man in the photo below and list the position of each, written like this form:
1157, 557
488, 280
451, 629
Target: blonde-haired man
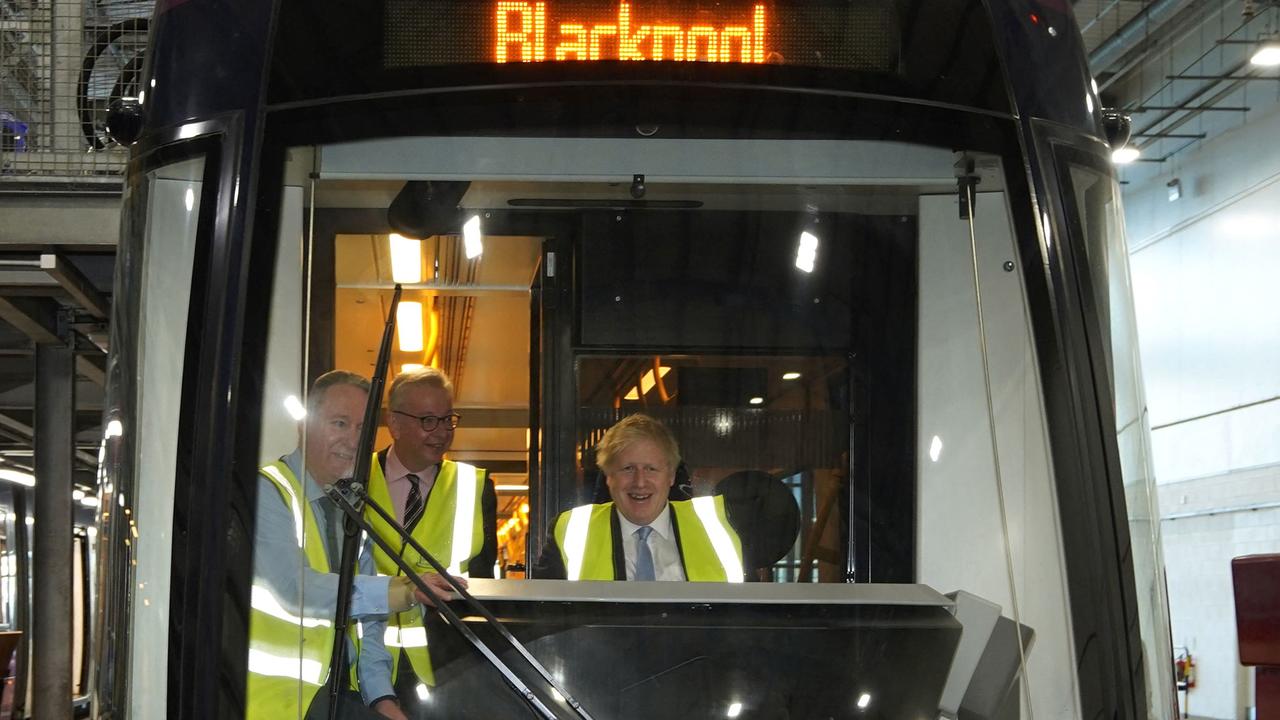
640, 534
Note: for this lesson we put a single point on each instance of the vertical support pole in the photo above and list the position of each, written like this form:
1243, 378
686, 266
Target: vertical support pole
51, 590
68, 49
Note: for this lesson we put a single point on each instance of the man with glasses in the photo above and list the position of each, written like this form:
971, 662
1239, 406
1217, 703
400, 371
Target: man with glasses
449, 508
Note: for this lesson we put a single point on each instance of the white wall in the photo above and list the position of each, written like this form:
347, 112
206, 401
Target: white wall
1206, 274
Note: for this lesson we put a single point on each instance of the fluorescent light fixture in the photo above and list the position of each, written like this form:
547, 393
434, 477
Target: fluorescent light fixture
410, 367
20, 478
471, 238
510, 488
935, 448
190, 199
90, 501
791, 376
735, 709
77, 494
293, 406
807, 251
423, 693
406, 259
863, 701
1125, 155
409, 326
1268, 54
757, 400
114, 429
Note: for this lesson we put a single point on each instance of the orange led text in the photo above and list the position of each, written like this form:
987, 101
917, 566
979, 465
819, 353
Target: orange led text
522, 36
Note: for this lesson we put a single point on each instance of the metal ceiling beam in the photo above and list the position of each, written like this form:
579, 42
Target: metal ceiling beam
89, 369
36, 318
26, 432
77, 285
1174, 124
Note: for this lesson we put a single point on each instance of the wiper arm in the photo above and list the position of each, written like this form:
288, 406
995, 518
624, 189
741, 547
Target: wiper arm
352, 507
350, 546
339, 491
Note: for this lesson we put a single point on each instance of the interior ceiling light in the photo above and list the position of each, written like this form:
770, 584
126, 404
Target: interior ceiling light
1125, 155
471, 238
406, 259
409, 326
1268, 54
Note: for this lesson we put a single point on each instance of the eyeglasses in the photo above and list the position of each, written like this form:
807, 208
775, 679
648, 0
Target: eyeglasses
431, 422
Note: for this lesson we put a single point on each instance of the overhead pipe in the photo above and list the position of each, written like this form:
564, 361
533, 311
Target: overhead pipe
1149, 19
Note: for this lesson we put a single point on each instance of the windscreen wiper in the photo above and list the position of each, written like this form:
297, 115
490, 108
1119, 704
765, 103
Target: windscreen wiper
351, 496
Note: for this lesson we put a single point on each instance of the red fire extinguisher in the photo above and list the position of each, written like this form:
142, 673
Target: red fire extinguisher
1185, 671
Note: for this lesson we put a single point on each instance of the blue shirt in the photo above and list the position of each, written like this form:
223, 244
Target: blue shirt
282, 566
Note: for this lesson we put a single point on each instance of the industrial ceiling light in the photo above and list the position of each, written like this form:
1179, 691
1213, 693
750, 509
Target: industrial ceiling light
1125, 155
1268, 54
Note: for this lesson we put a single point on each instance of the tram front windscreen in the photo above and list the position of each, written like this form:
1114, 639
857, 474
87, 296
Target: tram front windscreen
839, 347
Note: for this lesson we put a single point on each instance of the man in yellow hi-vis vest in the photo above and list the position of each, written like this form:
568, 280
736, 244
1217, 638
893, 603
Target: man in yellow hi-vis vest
449, 507
298, 539
641, 535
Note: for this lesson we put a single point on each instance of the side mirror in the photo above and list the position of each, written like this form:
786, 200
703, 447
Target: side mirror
1117, 126
124, 121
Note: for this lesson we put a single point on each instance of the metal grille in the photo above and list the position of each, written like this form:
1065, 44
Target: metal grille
61, 63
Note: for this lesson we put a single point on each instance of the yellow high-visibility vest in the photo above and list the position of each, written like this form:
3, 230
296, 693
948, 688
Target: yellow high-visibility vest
709, 547
288, 655
451, 529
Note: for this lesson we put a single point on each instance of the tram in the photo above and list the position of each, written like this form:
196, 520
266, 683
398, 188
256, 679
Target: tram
866, 256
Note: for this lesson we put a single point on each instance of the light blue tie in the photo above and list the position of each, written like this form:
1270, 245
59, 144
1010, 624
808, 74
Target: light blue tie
644, 557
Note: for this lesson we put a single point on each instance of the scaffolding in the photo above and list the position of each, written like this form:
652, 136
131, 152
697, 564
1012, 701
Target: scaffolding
62, 62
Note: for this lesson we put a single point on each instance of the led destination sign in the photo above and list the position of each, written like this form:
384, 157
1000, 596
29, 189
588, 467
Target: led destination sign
522, 29
860, 35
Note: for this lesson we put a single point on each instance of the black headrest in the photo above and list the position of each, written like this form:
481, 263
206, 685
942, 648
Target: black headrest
763, 512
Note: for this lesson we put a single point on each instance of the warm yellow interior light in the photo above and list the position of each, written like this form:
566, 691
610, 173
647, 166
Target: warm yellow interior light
406, 259
409, 326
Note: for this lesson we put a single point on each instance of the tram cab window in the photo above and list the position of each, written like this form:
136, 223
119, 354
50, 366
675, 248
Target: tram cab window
812, 336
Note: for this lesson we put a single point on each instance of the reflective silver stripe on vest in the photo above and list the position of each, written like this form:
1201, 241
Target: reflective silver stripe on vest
293, 667
575, 540
463, 516
265, 601
280, 480
705, 507
412, 636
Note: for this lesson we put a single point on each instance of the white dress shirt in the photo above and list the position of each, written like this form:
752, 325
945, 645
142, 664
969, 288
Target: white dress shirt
662, 545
